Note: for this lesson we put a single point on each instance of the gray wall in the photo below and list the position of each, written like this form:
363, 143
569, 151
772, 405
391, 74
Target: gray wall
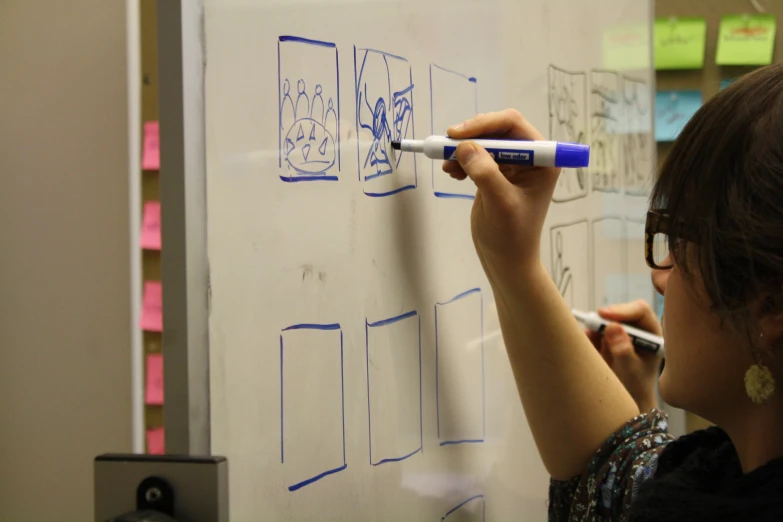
65, 375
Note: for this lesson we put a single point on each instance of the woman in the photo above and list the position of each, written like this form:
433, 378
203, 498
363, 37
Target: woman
719, 202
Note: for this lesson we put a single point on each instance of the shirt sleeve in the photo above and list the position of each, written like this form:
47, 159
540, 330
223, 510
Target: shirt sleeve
605, 490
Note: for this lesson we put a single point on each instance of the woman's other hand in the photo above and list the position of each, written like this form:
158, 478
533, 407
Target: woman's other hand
637, 369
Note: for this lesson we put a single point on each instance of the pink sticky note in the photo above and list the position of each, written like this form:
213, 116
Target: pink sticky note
150, 226
150, 158
154, 394
156, 441
152, 307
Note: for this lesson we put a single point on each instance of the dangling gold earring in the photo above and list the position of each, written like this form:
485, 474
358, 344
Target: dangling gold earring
759, 382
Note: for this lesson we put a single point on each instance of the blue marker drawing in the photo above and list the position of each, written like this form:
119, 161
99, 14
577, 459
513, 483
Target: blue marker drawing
384, 113
312, 401
309, 103
459, 369
473, 508
394, 396
605, 115
453, 99
568, 122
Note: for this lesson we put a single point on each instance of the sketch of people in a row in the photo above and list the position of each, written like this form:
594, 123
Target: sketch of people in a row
307, 108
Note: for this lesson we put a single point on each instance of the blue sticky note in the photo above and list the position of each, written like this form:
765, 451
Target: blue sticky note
659, 306
673, 109
725, 83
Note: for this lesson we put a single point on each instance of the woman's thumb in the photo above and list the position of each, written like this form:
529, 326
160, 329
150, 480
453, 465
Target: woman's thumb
482, 169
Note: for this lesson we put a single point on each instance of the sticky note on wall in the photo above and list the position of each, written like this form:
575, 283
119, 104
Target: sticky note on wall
150, 157
746, 40
156, 438
154, 389
673, 109
152, 307
680, 43
150, 226
626, 47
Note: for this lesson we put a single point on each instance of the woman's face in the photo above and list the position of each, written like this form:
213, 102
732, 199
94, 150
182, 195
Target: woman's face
704, 370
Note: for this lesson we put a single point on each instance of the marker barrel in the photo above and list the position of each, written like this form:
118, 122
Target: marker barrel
512, 152
640, 339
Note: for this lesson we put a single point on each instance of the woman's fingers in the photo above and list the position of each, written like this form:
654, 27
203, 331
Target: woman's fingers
618, 342
453, 169
508, 124
505, 124
476, 162
636, 312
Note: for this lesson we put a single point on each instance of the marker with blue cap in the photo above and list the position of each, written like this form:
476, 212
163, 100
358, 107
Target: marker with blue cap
510, 152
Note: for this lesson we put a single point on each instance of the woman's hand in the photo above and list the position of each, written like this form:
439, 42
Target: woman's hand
637, 370
512, 201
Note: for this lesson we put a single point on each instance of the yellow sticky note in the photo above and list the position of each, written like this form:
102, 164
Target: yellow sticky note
746, 40
626, 47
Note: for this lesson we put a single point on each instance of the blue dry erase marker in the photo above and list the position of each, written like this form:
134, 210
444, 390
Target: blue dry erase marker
515, 152
639, 338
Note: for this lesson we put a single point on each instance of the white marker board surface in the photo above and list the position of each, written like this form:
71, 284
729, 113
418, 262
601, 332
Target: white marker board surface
355, 368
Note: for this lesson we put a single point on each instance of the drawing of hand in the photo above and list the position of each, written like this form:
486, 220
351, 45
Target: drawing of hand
512, 201
638, 371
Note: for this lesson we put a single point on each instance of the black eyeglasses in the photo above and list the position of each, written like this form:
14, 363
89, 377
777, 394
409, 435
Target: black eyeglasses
658, 228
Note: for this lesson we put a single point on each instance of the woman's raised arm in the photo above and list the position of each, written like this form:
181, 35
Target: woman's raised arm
572, 399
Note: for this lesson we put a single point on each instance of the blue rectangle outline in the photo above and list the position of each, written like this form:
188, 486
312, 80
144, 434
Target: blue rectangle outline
462, 295
474, 81
376, 324
403, 188
338, 139
321, 327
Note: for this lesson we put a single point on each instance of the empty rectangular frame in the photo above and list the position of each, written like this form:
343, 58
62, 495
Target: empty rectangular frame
459, 368
393, 354
453, 99
312, 403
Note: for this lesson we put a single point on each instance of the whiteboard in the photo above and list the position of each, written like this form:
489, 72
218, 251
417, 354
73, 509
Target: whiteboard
356, 368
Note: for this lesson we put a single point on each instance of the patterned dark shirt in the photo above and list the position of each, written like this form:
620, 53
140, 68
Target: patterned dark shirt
606, 489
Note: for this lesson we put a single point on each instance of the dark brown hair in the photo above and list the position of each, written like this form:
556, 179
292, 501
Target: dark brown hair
725, 173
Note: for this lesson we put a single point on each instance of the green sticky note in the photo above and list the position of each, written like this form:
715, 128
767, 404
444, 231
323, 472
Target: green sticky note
680, 42
746, 40
626, 47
